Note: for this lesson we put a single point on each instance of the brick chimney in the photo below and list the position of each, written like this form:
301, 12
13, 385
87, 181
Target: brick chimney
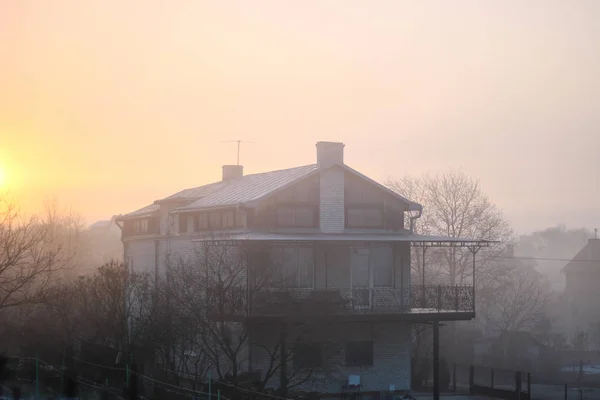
332, 210
329, 153
231, 172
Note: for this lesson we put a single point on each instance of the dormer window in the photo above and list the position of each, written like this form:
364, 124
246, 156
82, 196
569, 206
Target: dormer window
296, 216
364, 217
141, 226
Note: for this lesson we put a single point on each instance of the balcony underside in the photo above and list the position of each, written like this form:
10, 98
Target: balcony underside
416, 303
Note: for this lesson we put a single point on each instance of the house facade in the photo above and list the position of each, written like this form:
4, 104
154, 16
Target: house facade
337, 246
581, 297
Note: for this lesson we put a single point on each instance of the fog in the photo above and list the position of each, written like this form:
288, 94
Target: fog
111, 104
477, 120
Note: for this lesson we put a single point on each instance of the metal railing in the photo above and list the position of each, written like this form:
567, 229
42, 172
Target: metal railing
284, 301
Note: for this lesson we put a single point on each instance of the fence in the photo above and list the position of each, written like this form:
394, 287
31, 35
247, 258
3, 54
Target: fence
29, 378
511, 384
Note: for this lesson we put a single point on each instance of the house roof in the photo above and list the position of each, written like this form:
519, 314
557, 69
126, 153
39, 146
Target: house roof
248, 189
144, 211
588, 257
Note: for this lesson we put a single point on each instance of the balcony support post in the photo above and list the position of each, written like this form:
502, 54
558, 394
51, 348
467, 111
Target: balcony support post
283, 359
474, 250
436, 360
423, 299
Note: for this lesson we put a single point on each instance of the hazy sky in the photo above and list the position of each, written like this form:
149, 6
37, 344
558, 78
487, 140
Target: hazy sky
113, 104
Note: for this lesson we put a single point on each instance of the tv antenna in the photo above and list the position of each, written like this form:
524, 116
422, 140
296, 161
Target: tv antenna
239, 142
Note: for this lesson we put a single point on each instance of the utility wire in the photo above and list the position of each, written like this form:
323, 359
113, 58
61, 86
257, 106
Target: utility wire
119, 369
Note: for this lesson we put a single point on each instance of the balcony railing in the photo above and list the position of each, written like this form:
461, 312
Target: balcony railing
357, 300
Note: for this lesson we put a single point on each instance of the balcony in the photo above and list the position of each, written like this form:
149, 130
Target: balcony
414, 302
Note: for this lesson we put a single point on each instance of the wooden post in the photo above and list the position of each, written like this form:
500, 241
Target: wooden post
529, 385
492, 378
518, 384
566, 392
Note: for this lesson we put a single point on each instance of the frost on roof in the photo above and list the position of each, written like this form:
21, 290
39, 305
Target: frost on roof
144, 211
199, 191
249, 187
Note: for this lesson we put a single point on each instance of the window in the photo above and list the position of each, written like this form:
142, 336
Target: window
359, 354
140, 226
215, 220
364, 217
228, 219
240, 219
307, 355
296, 216
296, 266
382, 264
190, 224
202, 223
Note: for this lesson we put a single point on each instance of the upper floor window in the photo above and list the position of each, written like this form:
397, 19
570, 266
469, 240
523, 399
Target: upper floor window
141, 226
228, 219
202, 222
296, 216
295, 267
364, 217
215, 220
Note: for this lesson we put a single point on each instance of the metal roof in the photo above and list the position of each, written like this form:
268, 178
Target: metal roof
249, 188
346, 237
142, 212
196, 192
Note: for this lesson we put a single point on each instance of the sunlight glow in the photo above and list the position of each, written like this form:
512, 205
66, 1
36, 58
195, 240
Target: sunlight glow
3, 178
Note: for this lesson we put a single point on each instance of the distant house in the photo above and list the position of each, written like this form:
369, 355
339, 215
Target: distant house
581, 290
514, 350
101, 243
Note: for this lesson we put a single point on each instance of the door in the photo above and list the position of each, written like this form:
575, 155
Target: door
361, 278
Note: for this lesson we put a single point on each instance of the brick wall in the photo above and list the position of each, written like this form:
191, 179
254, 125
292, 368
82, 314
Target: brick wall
332, 209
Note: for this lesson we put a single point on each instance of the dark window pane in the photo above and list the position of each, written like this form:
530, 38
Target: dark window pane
228, 219
202, 222
215, 220
364, 217
359, 354
305, 267
382, 263
307, 355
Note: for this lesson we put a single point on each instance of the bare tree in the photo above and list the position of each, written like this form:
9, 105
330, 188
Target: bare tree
455, 206
521, 303
212, 297
30, 255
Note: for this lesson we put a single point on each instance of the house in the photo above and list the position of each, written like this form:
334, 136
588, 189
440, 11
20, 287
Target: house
100, 243
341, 244
581, 295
